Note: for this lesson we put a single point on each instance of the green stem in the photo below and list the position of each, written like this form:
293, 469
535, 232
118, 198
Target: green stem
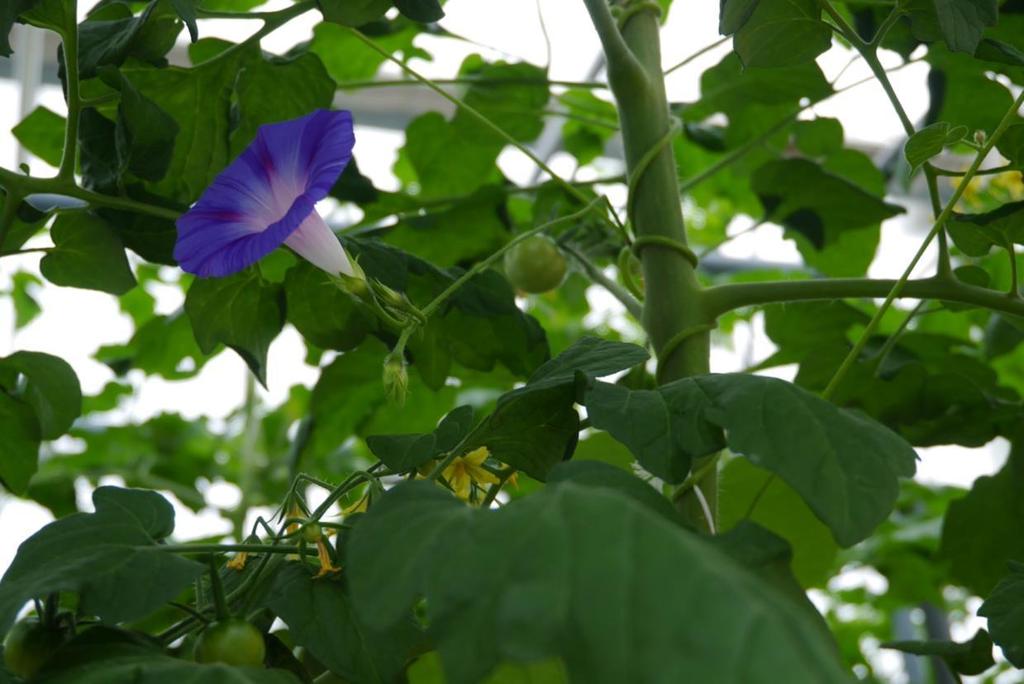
981, 172
22, 186
190, 549
10, 211
469, 80
698, 54
220, 602
939, 226
894, 338
68, 160
673, 303
594, 273
718, 300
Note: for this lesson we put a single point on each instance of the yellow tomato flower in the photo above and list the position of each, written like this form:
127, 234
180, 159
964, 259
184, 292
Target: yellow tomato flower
323, 554
238, 562
467, 470
359, 506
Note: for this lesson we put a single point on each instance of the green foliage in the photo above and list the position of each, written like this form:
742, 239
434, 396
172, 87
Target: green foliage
87, 253
930, 141
110, 558
526, 587
970, 657
979, 534
592, 448
1004, 609
685, 419
254, 318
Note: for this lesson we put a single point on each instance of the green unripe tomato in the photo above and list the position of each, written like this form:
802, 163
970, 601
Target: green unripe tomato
311, 533
29, 645
232, 642
535, 265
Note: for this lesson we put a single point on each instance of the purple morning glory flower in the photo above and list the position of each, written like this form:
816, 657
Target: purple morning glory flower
266, 198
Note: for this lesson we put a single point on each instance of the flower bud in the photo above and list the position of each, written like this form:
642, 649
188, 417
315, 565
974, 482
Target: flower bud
396, 378
355, 284
979, 137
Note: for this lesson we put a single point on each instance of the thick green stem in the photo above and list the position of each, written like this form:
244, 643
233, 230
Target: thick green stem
723, 298
673, 300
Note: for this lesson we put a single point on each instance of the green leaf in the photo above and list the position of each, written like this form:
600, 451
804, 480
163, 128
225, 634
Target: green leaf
1011, 145
480, 326
186, 9
145, 133
756, 495
241, 311
769, 557
300, 85
536, 426
980, 531
814, 203
458, 156
530, 430
353, 12
403, 453
519, 585
844, 466
110, 557
119, 36
930, 141
320, 618
26, 308
734, 14
963, 21
349, 59
20, 453
103, 655
51, 389
87, 253
663, 428
322, 312
592, 356
969, 657
42, 134
1004, 609
9, 13
992, 50
976, 234
54, 15
421, 10
728, 87
597, 474
961, 92
428, 670
199, 100
780, 33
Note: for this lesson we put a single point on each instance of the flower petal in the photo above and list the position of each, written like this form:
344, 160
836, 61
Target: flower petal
316, 242
265, 194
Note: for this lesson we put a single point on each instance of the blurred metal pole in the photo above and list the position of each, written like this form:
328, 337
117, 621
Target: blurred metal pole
29, 54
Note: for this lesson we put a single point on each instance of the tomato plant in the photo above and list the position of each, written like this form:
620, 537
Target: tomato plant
780, 286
